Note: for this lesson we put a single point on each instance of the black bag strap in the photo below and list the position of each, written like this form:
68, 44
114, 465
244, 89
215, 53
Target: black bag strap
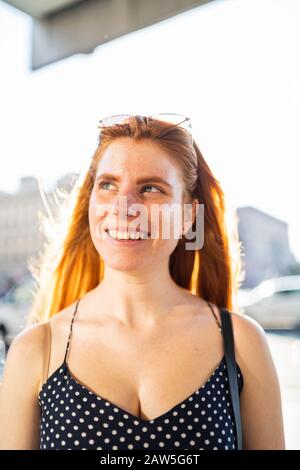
232, 372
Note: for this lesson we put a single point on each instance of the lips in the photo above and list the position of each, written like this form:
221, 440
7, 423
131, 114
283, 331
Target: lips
124, 229
126, 242
126, 234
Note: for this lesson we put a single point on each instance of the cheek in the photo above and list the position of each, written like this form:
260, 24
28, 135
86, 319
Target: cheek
168, 222
97, 209
92, 222
92, 210
95, 220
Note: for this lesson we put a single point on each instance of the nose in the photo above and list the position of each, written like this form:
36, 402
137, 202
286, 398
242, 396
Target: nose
123, 204
128, 208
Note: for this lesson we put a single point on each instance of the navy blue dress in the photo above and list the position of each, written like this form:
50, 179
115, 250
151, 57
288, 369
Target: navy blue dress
73, 417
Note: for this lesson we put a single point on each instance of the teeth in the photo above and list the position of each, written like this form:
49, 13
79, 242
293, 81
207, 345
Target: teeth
123, 235
118, 235
133, 236
113, 233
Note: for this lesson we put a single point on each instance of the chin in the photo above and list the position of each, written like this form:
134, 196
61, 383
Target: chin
126, 265
124, 261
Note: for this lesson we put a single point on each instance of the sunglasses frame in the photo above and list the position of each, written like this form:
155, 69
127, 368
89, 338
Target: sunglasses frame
153, 116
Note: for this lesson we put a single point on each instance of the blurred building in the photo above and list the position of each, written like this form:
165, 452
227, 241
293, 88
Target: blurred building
20, 234
61, 28
265, 246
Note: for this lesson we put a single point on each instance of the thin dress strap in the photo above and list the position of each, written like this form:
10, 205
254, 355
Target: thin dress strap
70, 333
218, 323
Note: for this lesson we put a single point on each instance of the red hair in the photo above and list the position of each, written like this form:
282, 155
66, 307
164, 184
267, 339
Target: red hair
69, 266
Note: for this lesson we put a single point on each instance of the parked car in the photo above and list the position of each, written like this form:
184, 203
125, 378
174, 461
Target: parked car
14, 308
274, 303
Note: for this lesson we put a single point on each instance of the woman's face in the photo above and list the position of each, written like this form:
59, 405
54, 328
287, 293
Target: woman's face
143, 174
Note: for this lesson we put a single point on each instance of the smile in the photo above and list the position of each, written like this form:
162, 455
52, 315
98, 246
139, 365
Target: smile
126, 238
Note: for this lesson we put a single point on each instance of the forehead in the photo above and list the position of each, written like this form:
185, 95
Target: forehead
144, 157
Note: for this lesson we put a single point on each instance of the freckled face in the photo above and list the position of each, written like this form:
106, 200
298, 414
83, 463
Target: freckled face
140, 173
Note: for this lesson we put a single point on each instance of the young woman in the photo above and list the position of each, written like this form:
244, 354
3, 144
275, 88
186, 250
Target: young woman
127, 351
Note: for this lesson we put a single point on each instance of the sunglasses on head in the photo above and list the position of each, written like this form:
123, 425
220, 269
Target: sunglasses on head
169, 118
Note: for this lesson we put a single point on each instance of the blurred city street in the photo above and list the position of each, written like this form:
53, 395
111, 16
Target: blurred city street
285, 348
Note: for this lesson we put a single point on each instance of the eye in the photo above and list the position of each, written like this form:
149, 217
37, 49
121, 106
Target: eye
102, 183
151, 186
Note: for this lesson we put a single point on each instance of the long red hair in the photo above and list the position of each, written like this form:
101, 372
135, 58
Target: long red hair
69, 265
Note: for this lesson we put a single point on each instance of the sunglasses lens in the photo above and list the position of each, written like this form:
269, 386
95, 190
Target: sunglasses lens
175, 120
113, 120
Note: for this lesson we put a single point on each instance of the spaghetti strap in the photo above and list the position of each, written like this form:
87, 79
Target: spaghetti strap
218, 323
48, 348
69, 338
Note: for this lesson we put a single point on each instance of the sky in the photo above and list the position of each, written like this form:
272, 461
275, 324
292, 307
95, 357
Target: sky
233, 66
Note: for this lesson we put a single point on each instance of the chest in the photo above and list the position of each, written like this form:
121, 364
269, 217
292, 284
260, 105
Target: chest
145, 374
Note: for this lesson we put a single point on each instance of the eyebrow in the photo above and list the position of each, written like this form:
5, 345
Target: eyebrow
148, 179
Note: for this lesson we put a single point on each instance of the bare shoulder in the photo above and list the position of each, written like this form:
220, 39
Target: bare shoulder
251, 343
26, 348
19, 409
26, 354
63, 317
261, 394
249, 337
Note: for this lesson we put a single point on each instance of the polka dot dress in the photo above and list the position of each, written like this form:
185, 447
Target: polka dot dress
73, 417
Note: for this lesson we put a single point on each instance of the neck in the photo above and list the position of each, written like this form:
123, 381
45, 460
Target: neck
138, 298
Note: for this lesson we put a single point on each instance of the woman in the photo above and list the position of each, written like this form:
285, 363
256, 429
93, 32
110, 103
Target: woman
128, 352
